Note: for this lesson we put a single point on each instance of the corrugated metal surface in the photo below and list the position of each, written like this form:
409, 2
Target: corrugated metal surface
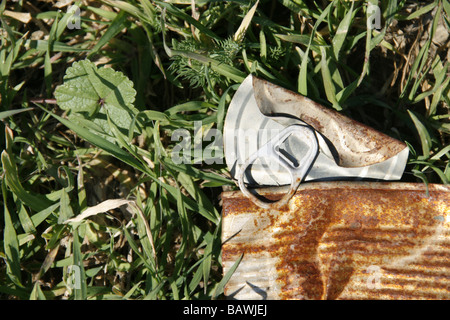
340, 240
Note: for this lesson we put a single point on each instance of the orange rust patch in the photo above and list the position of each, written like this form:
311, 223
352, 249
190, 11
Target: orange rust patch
332, 233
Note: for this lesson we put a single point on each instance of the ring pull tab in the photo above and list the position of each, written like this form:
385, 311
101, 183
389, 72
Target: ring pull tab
297, 169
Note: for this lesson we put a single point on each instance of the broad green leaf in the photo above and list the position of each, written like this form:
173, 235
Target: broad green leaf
91, 91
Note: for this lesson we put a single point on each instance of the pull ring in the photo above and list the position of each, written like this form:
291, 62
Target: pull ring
297, 171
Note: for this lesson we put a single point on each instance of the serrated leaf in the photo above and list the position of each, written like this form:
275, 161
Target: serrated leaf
90, 91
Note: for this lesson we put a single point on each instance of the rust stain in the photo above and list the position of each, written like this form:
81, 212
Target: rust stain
333, 233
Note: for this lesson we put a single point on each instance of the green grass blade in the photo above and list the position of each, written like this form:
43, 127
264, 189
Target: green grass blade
438, 155
302, 77
206, 264
220, 67
197, 173
189, 19
42, 46
80, 288
153, 294
425, 138
221, 109
341, 33
239, 34
48, 70
421, 11
117, 25
301, 39
62, 25
136, 250
82, 196
35, 201
36, 293
65, 209
9, 113
40, 217
25, 220
10, 243
101, 143
221, 286
330, 89
196, 279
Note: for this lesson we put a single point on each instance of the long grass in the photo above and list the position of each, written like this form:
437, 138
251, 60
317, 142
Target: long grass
88, 216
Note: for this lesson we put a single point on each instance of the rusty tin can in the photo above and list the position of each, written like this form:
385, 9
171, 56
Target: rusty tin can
340, 240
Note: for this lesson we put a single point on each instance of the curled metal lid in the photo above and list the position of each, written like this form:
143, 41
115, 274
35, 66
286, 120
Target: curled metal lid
260, 110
